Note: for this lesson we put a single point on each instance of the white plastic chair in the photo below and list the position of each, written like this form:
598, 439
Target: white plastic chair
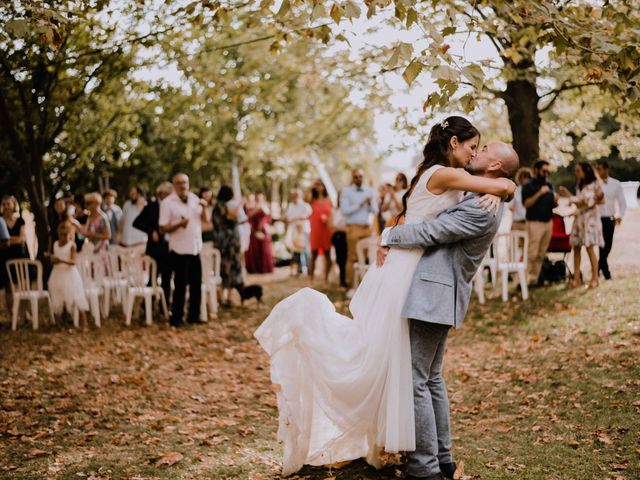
512, 258
91, 268
115, 282
489, 261
211, 278
365, 256
22, 288
142, 271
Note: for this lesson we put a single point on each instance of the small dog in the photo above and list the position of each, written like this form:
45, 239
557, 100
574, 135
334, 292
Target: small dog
250, 291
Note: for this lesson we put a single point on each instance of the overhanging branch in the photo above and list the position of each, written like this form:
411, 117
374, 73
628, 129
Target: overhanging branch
562, 88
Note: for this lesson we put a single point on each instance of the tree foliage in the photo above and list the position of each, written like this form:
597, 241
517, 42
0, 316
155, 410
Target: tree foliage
77, 112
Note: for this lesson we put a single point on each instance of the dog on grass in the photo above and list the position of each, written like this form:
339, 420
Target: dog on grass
250, 291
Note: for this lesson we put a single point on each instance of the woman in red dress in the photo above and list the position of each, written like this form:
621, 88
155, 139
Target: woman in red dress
320, 236
258, 258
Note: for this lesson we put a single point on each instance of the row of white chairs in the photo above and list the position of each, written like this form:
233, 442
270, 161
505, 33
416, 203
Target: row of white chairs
120, 276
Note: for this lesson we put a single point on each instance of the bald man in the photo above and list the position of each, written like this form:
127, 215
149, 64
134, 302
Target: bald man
181, 216
455, 244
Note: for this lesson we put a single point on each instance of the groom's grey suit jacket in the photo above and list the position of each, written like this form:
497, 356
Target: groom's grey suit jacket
455, 244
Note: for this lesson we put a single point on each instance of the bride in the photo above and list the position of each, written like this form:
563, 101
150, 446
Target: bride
344, 386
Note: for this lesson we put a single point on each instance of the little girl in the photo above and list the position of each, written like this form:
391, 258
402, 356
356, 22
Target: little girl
298, 244
65, 283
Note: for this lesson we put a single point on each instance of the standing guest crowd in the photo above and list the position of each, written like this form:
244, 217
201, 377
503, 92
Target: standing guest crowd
599, 206
174, 226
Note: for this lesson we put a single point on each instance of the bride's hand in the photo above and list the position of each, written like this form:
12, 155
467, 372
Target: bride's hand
490, 203
381, 255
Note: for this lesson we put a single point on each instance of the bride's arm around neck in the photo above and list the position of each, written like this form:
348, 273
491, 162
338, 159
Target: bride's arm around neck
449, 178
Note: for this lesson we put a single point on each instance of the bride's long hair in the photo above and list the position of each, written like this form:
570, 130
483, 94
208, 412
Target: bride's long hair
436, 151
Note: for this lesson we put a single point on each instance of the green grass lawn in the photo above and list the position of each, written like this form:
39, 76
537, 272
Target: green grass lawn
545, 389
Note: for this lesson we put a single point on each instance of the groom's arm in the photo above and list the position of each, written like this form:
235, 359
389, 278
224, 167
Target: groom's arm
463, 221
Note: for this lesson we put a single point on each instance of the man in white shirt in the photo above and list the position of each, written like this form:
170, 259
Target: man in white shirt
181, 215
128, 236
609, 214
297, 213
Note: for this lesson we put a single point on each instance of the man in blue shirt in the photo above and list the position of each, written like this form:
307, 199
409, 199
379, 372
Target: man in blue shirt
357, 203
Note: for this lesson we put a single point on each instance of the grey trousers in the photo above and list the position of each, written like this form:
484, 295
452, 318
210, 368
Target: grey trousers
431, 403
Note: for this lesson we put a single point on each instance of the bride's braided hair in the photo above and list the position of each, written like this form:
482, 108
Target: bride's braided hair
436, 151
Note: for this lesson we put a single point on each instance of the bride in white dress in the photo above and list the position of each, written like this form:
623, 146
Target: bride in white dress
344, 386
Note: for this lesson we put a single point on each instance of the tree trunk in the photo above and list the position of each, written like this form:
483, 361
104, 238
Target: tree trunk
37, 194
522, 98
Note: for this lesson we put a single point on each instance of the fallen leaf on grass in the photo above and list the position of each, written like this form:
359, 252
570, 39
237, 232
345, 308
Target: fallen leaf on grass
605, 439
459, 473
211, 442
617, 467
169, 458
36, 452
249, 430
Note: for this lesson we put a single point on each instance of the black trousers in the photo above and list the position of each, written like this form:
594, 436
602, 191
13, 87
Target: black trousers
608, 227
159, 251
339, 241
187, 270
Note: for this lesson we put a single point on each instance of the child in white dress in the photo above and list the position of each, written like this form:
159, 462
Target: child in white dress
65, 283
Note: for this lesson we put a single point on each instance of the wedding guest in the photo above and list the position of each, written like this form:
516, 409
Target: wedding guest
587, 227
96, 229
539, 199
320, 236
16, 226
4, 235
129, 236
65, 283
357, 205
113, 212
57, 215
206, 194
76, 211
611, 213
17, 247
378, 219
339, 242
259, 258
249, 204
518, 211
226, 216
157, 243
392, 202
296, 216
181, 215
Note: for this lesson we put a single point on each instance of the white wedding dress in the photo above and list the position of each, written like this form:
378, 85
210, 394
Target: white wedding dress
344, 386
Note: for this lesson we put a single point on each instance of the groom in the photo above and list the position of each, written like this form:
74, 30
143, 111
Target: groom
455, 244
